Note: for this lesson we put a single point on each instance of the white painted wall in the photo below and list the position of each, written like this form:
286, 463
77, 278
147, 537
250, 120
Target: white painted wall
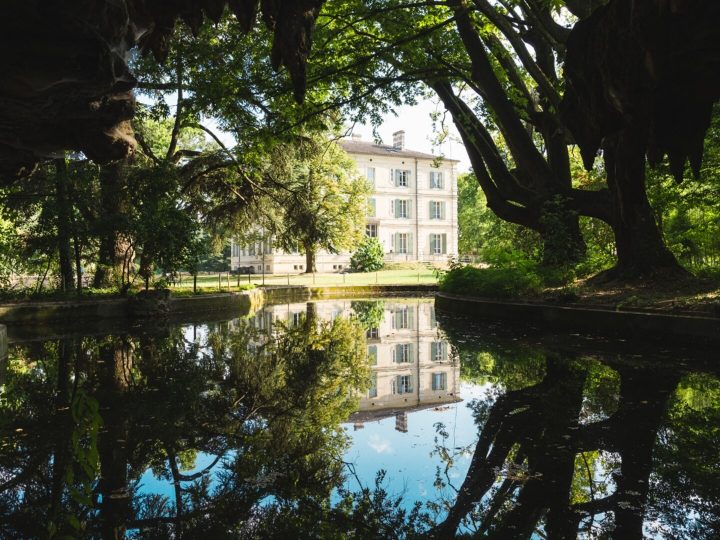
417, 227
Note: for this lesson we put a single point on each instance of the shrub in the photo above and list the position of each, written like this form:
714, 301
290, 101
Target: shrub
492, 282
369, 257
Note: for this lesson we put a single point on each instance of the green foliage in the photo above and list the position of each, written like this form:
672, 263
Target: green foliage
486, 236
321, 201
491, 282
369, 256
369, 313
689, 212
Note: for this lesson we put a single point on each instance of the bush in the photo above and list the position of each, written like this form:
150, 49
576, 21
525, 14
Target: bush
492, 282
369, 257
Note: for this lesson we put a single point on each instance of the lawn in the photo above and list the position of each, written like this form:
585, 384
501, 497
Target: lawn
383, 277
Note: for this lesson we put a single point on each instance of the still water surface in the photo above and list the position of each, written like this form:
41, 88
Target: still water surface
362, 419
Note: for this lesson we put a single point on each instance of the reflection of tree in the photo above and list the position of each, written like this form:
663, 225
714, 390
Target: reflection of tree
265, 413
370, 313
686, 462
523, 474
569, 445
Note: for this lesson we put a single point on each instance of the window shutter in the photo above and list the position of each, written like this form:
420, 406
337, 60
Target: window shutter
409, 208
440, 180
444, 244
433, 351
411, 355
411, 318
442, 210
397, 208
444, 350
392, 177
431, 240
410, 243
430, 209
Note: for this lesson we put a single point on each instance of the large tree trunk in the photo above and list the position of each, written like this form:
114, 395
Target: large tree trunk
63, 224
115, 508
641, 250
563, 243
552, 209
310, 254
113, 244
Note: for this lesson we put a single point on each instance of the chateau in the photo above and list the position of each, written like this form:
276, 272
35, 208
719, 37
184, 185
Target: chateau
413, 211
412, 366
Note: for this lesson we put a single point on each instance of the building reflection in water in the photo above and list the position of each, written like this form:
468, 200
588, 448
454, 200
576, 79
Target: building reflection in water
412, 364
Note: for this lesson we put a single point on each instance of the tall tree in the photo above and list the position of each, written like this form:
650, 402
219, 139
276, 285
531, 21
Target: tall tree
320, 202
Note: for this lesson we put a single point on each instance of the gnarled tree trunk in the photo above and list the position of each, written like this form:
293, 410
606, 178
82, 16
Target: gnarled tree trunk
63, 224
641, 250
113, 244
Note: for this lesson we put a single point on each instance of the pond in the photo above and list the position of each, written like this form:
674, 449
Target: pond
356, 418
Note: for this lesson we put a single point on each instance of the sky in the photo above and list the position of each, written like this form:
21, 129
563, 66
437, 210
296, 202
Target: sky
418, 126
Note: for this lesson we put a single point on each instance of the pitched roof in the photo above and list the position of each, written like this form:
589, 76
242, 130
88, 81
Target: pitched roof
366, 147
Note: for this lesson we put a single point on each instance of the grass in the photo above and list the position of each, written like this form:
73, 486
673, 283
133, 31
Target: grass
406, 276
694, 294
210, 284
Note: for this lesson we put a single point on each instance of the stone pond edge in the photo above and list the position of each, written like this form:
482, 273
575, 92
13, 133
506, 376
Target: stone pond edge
73, 312
656, 326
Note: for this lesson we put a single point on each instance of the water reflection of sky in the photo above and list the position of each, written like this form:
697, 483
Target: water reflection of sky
405, 445
408, 458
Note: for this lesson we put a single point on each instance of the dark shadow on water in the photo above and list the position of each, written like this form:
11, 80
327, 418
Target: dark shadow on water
239, 426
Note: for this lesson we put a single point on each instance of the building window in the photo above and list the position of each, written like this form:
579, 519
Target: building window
402, 319
438, 244
437, 209
439, 381
372, 355
402, 384
402, 353
438, 351
372, 392
297, 318
371, 230
373, 333
436, 180
370, 175
401, 244
401, 208
401, 177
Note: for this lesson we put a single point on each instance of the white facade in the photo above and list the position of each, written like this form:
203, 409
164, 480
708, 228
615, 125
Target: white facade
412, 364
413, 211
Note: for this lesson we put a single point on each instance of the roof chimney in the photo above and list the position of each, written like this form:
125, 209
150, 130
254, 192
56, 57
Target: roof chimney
356, 136
399, 140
